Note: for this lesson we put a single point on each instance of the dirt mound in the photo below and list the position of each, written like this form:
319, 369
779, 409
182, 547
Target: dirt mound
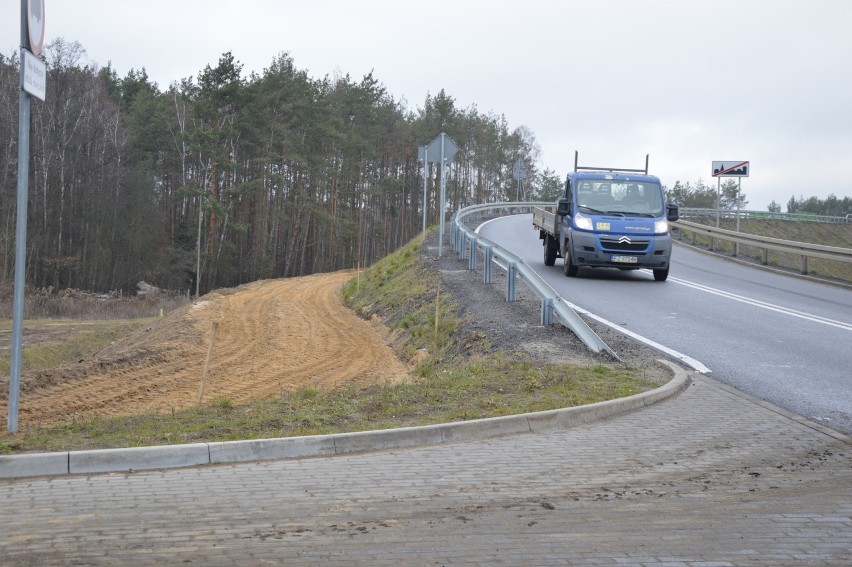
270, 337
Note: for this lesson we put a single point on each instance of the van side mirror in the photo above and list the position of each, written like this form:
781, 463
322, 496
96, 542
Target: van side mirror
563, 207
672, 212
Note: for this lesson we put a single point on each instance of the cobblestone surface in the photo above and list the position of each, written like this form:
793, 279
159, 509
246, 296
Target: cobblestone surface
711, 477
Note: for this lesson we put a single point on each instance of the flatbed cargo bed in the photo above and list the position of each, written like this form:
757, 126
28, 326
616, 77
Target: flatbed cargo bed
544, 218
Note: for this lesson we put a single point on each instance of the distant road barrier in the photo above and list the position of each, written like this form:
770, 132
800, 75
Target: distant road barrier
765, 243
694, 213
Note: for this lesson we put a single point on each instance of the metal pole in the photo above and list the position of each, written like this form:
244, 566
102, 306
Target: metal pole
425, 179
443, 197
20, 235
198, 249
739, 188
718, 201
718, 210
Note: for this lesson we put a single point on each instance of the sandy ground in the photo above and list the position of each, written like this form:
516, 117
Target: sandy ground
268, 337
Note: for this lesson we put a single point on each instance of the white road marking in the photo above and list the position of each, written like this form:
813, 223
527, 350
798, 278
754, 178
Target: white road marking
763, 304
694, 364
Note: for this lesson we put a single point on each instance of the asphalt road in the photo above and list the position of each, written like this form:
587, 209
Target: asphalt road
776, 337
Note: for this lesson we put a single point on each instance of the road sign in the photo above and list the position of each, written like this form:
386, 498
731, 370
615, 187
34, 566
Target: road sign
442, 142
520, 169
35, 25
35, 75
730, 168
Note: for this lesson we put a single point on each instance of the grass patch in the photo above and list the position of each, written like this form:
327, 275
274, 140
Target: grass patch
482, 387
408, 298
50, 343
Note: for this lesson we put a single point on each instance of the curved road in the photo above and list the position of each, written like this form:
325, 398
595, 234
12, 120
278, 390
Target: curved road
782, 339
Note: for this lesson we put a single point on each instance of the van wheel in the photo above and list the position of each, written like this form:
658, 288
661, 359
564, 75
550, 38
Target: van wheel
661, 274
550, 250
570, 268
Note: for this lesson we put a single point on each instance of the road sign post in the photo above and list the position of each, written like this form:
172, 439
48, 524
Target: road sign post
520, 175
423, 155
731, 168
443, 149
32, 81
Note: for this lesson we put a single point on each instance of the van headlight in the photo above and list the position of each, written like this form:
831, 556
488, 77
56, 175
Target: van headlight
582, 222
661, 227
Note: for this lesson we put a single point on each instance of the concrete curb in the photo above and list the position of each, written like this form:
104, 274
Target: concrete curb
173, 456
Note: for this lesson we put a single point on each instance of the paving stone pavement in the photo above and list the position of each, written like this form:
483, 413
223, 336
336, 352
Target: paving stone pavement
711, 477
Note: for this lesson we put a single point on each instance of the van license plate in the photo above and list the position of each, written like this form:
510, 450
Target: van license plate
624, 259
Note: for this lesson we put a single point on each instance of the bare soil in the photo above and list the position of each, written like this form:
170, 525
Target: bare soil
268, 338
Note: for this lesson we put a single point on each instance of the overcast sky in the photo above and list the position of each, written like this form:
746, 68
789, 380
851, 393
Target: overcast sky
686, 81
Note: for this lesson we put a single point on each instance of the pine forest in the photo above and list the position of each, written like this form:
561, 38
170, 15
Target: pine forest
223, 179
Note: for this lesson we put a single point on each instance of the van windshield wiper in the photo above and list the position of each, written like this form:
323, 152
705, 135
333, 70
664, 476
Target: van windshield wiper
591, 210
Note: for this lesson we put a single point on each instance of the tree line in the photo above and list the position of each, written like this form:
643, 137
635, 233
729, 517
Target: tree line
223, 179
702, 196
831, 206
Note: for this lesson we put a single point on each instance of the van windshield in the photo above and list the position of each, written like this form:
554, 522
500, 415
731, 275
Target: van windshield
621, 197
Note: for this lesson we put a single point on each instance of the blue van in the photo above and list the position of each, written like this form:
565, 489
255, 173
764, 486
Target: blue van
609, 218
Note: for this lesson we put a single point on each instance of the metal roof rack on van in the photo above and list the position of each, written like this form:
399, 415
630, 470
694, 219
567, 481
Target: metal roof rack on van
609, 169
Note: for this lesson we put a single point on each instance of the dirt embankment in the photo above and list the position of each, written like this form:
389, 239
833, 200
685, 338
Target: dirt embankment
270, 337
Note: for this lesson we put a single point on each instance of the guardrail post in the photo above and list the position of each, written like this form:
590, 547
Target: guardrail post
766, 256
488, 253
510, 281
804, 264
462, 244
546, 311
472, 263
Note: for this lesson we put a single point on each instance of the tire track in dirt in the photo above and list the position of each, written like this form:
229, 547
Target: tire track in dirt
273, 337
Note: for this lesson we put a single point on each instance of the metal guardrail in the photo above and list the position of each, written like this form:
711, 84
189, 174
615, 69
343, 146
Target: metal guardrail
468, 244
695, 213
766, 243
